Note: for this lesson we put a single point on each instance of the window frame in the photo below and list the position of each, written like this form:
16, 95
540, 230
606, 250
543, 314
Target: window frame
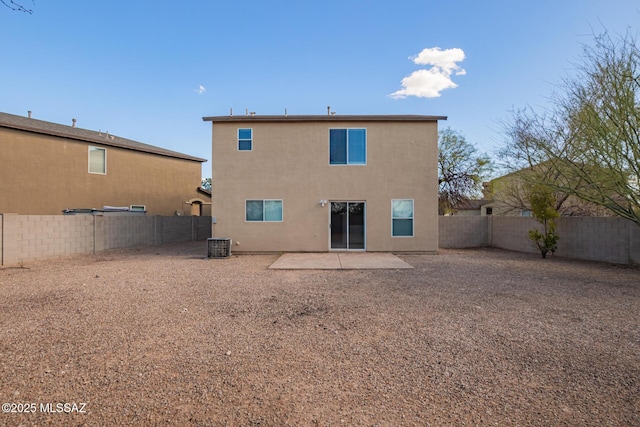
264, 210
240, 140
347, 160
94, 148
412, 218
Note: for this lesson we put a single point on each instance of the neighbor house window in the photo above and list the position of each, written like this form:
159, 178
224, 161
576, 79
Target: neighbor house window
264, 210
402, 218
526, 213
97, 160
245, 139
348, 146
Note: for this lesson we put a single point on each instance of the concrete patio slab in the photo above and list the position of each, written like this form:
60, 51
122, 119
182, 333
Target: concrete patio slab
338, 261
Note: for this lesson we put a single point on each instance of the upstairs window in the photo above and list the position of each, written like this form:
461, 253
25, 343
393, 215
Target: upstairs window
347, 146
402, 218
263, 210
245, 139
97, 160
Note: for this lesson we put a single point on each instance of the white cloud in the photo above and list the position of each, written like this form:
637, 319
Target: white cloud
201, 89
428, 83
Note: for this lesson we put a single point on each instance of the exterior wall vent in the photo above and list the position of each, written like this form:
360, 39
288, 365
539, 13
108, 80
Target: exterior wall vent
218, 248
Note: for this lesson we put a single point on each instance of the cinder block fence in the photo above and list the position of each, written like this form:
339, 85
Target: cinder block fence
614, 240
29, 237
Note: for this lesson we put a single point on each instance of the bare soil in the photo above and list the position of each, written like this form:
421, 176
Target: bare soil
164, 336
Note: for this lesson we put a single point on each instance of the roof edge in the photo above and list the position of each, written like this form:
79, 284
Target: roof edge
58, 130
322, 117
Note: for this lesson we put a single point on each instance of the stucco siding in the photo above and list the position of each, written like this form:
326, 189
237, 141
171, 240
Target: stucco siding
43, 174
290, 162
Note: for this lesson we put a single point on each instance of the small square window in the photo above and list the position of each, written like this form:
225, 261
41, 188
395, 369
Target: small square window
245, 139
97, 160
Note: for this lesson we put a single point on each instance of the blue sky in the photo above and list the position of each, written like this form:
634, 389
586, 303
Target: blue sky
150, 71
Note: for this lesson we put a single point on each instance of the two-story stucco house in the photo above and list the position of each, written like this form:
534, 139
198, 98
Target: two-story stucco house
47, 168
326, 183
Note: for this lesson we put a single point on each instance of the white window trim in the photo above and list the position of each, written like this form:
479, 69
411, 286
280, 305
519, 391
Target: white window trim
238, 139
413, 218
366, 149
89, 160
263, 213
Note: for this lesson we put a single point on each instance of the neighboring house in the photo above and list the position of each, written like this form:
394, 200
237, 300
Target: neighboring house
324, 183
201, 205
507, 196
46, 168
471, 207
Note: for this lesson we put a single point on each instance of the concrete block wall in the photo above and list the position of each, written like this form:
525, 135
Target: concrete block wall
10, 245
634, 244
203, 229
124, 232
30, 237
1, 227
612, 239
43, 236
463, 231
512, 233
601, 239
174, 228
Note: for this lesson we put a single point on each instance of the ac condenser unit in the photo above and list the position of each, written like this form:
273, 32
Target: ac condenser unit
218, 248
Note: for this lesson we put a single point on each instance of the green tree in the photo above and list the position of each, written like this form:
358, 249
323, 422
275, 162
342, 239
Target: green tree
542, 203
588, 144
461, 170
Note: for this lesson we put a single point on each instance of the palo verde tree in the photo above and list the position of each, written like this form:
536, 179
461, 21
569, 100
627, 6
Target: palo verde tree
542, 204
461, 170
588, 144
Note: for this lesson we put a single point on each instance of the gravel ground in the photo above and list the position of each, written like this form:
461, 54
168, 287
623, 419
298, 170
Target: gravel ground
161, 336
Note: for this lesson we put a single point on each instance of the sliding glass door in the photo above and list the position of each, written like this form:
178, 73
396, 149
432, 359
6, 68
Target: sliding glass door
347, 225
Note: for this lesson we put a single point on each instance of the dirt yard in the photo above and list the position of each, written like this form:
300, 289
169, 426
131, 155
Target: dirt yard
163, 336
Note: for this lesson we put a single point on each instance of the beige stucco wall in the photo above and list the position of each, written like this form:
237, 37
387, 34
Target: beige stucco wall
44, 175
290, 161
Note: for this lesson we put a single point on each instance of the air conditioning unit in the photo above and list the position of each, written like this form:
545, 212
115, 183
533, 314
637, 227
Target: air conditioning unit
218, 248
